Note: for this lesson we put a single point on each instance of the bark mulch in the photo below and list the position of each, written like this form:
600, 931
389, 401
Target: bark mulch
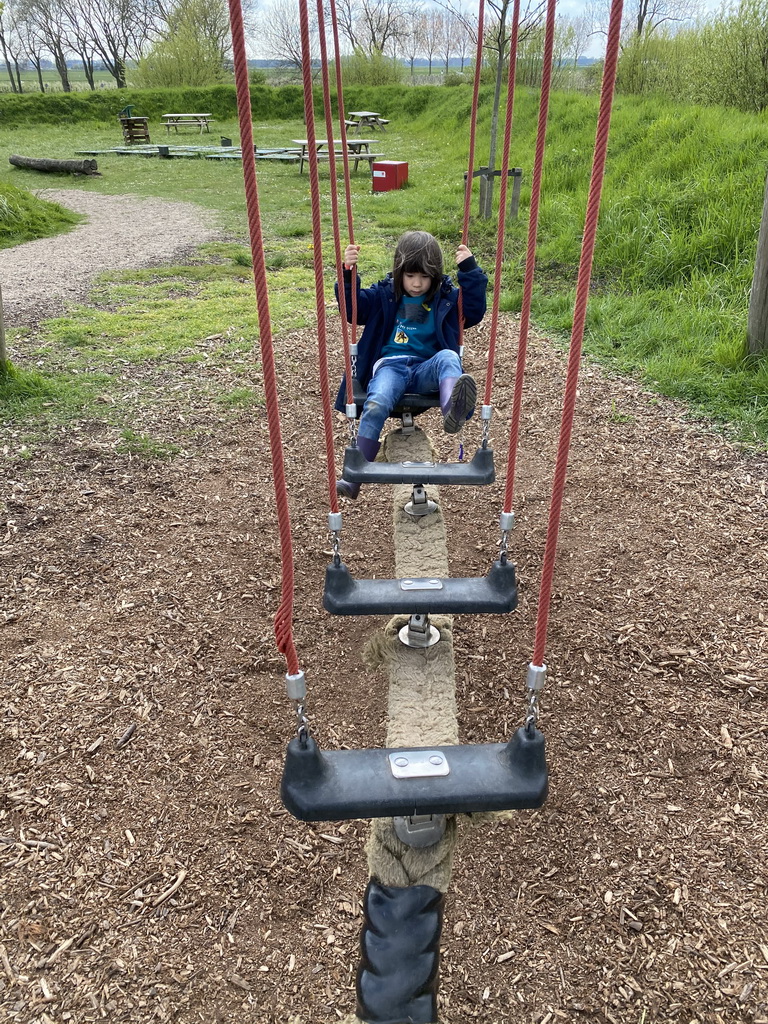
148, 870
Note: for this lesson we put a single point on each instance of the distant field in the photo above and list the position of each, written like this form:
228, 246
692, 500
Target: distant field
52, 81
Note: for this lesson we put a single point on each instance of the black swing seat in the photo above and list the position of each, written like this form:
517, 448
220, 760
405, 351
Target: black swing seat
477, 473
343, 784
494, 594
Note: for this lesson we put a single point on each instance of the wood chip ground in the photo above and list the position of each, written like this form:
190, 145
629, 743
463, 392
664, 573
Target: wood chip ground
148, 871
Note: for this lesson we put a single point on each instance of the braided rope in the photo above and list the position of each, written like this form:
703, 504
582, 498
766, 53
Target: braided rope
284, 615
501, 227
530, 258
347, 193
332, 161
472, 146
317, 242
577, 334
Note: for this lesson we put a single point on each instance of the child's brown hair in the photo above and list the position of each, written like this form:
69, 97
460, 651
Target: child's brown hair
418, 252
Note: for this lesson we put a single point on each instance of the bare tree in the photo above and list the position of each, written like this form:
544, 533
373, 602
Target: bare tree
410, 42
642, 17
279, 32
450, 31
47, 22
431, 28
119, 30
496, 42
80, 40
35, 48
573, 34
10, 44
372, 25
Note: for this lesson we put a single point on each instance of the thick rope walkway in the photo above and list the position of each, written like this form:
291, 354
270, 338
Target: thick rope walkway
422, 683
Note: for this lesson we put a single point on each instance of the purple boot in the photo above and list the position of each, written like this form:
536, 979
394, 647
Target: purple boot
369, 449
457, 401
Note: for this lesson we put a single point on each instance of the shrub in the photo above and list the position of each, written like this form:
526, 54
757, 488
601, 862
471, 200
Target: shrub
362, 68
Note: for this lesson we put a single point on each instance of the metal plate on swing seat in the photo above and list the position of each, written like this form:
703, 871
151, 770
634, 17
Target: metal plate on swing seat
418, 764
421, 584
339, 785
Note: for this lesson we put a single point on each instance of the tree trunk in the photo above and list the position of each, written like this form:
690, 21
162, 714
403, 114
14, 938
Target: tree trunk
63, 70
8, 67
55, 166
39, 70
757, 321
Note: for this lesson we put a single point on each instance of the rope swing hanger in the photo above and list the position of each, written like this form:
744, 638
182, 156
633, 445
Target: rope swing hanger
495, 593
480, 470
343, 784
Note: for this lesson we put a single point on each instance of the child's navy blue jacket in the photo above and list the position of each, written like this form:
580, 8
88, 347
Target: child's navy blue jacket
377, 309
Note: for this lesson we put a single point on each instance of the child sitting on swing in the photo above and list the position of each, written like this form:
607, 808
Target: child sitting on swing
411, 339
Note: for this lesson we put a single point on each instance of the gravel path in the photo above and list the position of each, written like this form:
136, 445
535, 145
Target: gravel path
40, 278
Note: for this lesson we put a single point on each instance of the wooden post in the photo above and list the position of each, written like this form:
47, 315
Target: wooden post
483, 191
3, 352
514, 202
757, 320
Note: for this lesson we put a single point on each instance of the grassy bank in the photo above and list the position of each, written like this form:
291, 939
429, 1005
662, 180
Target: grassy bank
673, 266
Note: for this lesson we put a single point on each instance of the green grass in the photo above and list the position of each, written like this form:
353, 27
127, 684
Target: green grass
24, 217
672, 272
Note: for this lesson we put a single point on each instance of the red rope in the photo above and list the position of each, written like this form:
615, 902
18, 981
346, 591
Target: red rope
473, 122
472, 144
530, 259
577, 334
348, 198
332, 162
317, 241
500, 230
284, 616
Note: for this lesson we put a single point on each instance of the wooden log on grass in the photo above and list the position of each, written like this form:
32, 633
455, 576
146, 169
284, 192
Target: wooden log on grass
55, 166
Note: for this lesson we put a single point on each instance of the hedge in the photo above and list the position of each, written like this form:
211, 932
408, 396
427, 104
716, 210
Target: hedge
268, 103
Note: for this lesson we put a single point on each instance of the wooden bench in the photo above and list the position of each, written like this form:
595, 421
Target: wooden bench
176, 121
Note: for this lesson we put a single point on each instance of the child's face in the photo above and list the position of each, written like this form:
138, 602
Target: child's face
416, 284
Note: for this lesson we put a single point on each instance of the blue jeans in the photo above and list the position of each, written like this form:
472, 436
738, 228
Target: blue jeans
397, 377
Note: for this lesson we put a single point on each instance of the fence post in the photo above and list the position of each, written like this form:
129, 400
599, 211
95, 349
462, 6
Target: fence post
514, 202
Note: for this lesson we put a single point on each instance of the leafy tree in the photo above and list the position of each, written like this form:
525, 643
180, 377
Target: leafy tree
738, 36
191, 52
362, 68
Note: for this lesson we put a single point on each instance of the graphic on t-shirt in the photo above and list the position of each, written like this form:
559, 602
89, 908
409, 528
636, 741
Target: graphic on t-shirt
413, 333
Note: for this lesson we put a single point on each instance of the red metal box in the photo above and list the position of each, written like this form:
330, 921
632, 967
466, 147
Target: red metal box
389, 175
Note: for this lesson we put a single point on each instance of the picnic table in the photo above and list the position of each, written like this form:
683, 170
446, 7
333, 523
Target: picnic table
176, 121
354, 146
360, 119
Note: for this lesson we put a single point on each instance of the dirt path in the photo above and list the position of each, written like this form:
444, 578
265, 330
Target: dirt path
40, 277
149, 872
